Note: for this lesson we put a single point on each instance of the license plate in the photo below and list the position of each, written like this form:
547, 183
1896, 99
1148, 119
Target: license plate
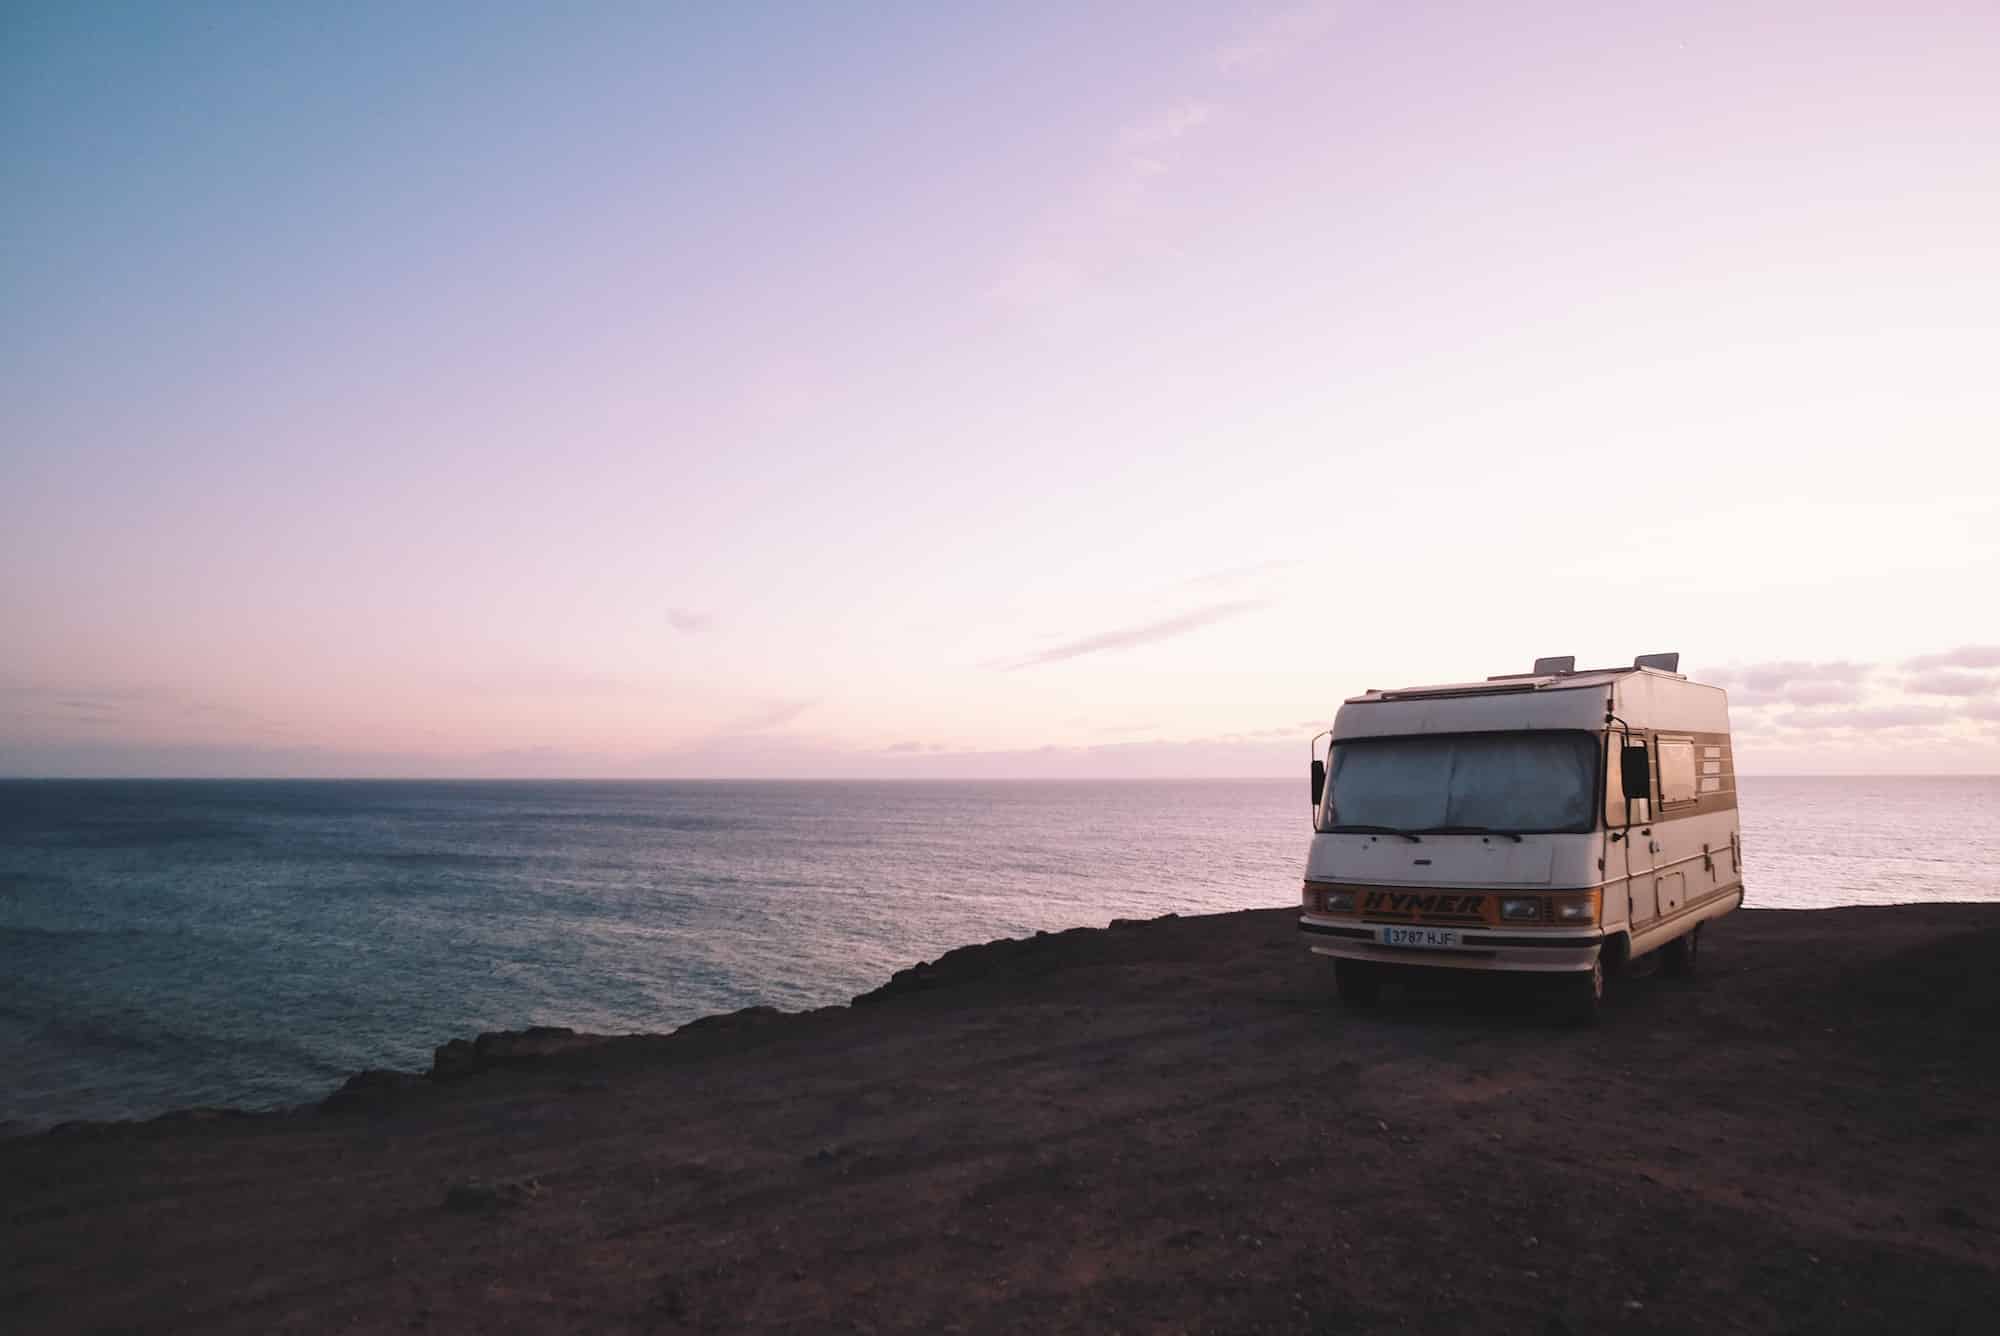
1417, 936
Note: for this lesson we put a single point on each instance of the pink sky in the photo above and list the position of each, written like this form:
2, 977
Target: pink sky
1021, 393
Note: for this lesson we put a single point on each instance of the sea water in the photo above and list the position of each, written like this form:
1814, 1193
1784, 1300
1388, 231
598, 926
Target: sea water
170, 943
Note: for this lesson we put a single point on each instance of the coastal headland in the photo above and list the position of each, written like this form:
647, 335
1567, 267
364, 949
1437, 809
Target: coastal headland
1169, 1125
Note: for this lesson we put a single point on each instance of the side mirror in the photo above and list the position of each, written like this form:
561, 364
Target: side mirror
1319, 781
1635, 774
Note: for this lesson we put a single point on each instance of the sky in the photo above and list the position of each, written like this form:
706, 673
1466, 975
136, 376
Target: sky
1035, 390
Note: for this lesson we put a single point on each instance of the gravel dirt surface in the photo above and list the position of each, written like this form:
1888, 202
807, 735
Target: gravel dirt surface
1166, 1126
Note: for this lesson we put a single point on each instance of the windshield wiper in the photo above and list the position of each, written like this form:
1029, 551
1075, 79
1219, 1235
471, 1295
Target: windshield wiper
1472, 830
1375, 830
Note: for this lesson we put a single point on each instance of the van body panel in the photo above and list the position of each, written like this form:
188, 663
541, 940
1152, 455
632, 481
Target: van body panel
1576, 708
1438, 860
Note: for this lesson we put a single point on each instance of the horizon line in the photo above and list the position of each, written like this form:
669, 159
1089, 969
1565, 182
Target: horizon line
839, 779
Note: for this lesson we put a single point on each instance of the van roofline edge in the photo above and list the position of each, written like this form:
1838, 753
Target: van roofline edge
1515, 684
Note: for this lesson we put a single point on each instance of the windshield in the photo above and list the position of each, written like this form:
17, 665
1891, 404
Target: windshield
1515, 783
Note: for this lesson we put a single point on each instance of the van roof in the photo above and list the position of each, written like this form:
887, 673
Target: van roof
1507, 683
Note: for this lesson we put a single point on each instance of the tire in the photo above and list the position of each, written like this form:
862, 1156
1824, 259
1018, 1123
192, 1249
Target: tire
1583, 995
1617, 958
1357, 982
1679, 957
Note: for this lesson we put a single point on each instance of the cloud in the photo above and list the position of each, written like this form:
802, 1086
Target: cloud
1037, 281
1167, 125
1233, 756
138, 707
1792, 683
771, 716
552, 680
88, 711
100, 698
1946, 683
1111, 218
1133, 636
689, 621
1820, 693
1231, 574
1300, 733
1271, 40
1965, 656
1871, 719
1802, 705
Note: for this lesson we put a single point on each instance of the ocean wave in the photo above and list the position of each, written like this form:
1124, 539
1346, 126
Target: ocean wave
448, 859
36, 931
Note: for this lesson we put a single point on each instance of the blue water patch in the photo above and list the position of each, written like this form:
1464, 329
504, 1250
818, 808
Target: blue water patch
250, 943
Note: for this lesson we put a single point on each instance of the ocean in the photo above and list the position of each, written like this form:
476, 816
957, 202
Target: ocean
175, 943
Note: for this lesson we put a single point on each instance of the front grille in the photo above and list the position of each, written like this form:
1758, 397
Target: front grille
1420, 906
1444, 907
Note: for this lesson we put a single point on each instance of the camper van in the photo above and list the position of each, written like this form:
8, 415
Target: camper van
1556, 822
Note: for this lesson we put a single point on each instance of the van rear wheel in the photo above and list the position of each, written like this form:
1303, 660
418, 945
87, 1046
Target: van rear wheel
1357, 982
1679, 957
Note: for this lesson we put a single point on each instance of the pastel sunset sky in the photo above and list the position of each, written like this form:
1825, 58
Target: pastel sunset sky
1053, 390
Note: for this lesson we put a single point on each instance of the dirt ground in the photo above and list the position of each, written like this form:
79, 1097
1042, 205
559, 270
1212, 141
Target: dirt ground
1169, 1126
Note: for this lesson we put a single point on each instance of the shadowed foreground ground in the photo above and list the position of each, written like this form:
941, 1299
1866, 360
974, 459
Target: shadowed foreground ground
1160, 1127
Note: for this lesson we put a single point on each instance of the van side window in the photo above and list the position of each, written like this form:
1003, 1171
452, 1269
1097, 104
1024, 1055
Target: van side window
1677, 771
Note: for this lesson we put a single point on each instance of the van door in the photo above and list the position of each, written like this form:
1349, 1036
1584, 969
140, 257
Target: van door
1641, 849
1684, 865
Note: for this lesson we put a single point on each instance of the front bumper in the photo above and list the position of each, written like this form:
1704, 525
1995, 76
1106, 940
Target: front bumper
1544, 951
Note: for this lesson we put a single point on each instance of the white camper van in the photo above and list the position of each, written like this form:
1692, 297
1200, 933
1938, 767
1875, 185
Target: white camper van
1557, 822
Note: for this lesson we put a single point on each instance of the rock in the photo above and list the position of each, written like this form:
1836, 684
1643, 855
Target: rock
372, 1089
199, 1114
507, 1048
917, 978
478, 1194
749, 1018
454, 1060
541, 1041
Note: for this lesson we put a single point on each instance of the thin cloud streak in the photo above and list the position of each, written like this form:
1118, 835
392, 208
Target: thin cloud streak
549, 681
1792, 683
1885, 717
688, 621
1965, 656
1108, 218
1230, 574
1133, 636
772, 716
1170, 124
1945, 683
1262, 45
134, 706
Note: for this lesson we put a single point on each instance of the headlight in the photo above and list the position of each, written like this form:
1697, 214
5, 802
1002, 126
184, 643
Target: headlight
1340, 902
1520, 909
1576, 909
